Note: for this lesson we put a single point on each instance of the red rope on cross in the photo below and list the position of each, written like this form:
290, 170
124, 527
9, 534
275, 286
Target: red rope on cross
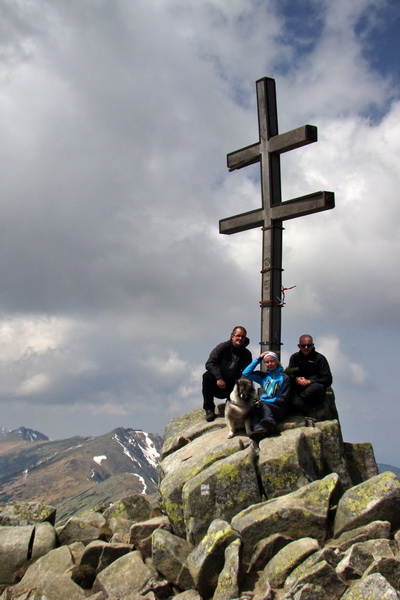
278, 301
281, 301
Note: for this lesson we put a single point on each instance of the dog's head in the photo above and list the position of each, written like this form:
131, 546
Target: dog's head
244, 388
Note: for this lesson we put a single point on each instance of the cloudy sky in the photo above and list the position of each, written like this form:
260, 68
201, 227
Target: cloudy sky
115, 121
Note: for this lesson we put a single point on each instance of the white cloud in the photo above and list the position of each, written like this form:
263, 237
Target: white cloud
38, 383
167, 363
345, 368
22, 336
115, 121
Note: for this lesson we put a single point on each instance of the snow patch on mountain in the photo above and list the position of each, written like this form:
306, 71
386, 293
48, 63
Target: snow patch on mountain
125, 450
150, 451
142, 482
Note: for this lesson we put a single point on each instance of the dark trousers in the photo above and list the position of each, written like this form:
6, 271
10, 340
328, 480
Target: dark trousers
268, 411
308, 397
211, 390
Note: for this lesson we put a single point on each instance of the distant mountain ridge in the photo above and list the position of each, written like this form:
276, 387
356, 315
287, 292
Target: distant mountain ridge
382, 467
63, 472
22, 433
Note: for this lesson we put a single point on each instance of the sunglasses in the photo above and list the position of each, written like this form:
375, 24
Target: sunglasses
306, 345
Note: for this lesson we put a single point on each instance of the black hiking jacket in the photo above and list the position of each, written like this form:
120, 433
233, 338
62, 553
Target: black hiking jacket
227, 362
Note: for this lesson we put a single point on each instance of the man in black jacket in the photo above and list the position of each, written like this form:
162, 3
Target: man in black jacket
312, 375
224, 366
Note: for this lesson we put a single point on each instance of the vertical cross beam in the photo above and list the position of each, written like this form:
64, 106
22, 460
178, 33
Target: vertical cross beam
273, 212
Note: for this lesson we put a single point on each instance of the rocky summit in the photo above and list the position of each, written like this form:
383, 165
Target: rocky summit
301, 515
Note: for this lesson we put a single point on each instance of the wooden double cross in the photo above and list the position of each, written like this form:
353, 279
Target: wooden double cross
273, 212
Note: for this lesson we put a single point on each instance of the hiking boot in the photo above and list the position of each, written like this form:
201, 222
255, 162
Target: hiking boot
269, 426
258, 434
210, 415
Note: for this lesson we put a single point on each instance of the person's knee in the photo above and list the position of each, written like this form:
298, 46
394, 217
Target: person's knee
266, 412
208, 382
210, 387
314, 394
208, 378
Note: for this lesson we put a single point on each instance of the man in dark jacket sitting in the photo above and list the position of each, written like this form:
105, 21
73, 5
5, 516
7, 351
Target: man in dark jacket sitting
224, 366
312, 375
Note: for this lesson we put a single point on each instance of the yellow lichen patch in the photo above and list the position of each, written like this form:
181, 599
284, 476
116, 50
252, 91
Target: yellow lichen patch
174, 512
227, 471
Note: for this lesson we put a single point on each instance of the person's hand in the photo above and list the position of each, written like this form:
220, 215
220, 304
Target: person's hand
302, 381
221, 384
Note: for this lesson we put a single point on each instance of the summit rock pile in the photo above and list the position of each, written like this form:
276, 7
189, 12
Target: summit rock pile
299, 516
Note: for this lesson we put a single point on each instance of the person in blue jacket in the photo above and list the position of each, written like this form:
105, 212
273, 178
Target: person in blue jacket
274, 401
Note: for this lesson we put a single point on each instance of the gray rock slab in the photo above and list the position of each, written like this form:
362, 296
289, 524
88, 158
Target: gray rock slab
220, 492
188, 595
57, 562
371, 531
287, 559
372, 587
45, 539
14, 550
56, 587
93, 518
397, 540
375, 499
100, 554
144, 547
127, 575
388, 567
182, 430
207, 559
356, 560
77, 549
310, 592
120, 527
360, 459
229, 578
314, 437
320, 574
135, 508
26, 513
142, 530
76, 530
324, 555
266, 549
63, 587
184, 464
302, 513
333, 451
383, 548
285, 462
169, 556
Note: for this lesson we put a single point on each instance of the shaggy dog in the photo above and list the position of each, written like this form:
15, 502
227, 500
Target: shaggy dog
239, 406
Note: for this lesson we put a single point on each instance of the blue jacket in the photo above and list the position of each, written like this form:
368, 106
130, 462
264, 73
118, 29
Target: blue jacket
275, 384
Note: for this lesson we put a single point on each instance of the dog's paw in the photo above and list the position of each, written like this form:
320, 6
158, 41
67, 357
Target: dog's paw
230, 435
